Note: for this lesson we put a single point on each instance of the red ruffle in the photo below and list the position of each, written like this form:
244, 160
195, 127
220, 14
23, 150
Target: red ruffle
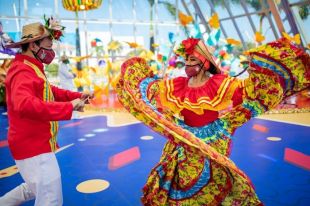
194, 94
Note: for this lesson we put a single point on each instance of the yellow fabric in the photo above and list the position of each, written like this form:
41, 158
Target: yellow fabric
47, 96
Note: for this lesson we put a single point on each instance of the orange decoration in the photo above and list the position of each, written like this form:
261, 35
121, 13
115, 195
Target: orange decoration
214, 21
185, 19
232, 41
259, 37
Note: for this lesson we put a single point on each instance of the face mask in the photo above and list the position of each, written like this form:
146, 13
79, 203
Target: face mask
192, 70
66, 61
44, 55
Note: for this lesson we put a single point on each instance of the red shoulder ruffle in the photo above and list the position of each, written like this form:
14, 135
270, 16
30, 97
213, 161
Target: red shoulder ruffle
215, 94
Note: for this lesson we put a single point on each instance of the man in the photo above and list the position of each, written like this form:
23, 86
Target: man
66, 79
65, 75
34, 107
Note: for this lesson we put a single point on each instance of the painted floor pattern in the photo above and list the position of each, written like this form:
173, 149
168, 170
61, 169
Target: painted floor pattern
105, 164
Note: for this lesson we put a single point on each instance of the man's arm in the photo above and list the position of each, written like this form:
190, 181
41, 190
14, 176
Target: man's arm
28, 105
63, 95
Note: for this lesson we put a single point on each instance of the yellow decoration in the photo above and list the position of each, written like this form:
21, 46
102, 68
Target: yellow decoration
80, 58
154, 68
243, 58
295, 38
147, 54
81, 5
185, 19
114, 46
115, 80
98, 91
155, 45
232, 41
133, 44
214, 21
259, 37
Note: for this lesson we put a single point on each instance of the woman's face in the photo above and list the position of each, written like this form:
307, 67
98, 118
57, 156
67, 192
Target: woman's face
192, 66
192, 61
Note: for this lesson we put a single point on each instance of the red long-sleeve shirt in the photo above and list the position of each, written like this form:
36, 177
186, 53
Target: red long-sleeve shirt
34, 107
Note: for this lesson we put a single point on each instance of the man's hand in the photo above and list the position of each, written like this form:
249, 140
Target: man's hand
78, 105
87, 96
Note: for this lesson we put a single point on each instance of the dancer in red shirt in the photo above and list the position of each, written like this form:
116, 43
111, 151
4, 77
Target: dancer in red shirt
34, 107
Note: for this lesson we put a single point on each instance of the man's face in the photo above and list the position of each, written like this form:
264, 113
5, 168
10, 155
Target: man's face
42, 50
46, 43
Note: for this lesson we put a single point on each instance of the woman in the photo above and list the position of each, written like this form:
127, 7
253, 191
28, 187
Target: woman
194, 168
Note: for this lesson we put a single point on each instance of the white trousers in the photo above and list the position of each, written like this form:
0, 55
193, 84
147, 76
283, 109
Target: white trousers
42, 181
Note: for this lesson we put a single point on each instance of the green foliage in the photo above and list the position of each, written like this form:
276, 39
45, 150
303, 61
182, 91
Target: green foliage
151, 2
52, 69
170, 7
2, 95
304, 11
238, 50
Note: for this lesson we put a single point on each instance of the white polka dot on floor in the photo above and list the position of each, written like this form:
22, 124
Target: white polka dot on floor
275, 139
147, 137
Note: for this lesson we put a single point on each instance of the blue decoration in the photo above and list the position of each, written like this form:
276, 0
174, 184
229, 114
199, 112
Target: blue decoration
171, 37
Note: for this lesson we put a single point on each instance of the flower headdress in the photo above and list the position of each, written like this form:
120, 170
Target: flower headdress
197, 48
53, 26
187, 47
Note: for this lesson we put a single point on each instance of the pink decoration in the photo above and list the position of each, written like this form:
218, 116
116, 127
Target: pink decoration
3, 143
297, 158
260, 128
124, 158
72, 124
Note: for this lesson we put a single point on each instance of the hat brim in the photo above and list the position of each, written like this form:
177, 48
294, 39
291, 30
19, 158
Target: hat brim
28, 40
202, 52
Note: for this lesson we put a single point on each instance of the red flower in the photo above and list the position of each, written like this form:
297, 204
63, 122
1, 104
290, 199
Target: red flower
190, 44
57, 34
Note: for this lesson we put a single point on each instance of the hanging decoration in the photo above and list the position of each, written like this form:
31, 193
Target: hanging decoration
259, 38
171, 36
115, 46
232, 41
81, 5
133, 44
214, 21
214, 37
295, 38
196, 31
185, 19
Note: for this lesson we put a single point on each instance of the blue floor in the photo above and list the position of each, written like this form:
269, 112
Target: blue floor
277, 182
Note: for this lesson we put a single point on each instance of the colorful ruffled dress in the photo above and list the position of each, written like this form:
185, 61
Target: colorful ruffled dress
195, 168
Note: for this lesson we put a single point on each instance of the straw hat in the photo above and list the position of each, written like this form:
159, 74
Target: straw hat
30, 33
202, 52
